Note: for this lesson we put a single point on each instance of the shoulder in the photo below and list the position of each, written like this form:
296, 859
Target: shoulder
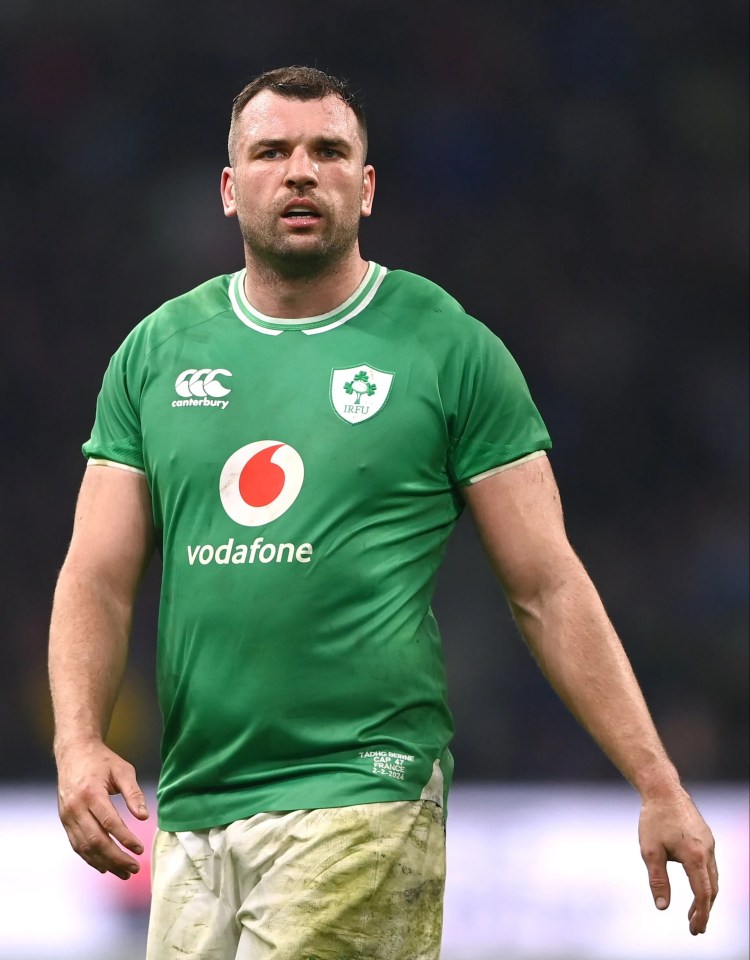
192, 309
432, 314
401, 289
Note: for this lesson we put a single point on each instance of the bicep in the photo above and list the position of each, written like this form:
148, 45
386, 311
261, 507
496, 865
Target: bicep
113, 533
519, 519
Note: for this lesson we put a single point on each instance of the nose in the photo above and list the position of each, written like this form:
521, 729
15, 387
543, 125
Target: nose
301, 171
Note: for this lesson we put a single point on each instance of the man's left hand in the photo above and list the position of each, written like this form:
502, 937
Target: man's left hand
673, 829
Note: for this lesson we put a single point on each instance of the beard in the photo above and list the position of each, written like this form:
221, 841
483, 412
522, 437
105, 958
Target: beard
284, 257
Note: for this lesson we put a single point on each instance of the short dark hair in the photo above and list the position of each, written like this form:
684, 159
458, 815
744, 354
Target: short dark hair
298, 83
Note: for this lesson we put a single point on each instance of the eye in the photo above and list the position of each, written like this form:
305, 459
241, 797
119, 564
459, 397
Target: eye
270, 154
329, 153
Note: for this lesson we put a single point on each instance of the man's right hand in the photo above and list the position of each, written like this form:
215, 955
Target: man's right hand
89, 774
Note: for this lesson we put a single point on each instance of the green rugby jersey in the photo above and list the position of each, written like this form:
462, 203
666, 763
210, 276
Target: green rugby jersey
305, 476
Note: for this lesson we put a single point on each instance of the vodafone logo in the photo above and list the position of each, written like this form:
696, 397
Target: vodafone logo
201, 383
260, 481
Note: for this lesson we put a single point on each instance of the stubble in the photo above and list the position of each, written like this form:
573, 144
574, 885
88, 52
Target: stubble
280, 256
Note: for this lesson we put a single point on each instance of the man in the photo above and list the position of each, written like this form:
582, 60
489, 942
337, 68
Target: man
297, 440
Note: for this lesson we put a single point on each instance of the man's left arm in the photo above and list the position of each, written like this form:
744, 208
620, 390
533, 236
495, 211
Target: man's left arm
558, 610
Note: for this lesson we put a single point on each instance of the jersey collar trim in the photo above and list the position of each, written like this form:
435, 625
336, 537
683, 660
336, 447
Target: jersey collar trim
273, 326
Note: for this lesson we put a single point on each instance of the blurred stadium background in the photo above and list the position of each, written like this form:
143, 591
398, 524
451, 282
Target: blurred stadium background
576, 175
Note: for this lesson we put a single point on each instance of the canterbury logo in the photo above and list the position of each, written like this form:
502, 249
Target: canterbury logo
202, 383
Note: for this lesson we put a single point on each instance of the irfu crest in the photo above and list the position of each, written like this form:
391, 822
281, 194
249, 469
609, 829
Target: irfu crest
360, 392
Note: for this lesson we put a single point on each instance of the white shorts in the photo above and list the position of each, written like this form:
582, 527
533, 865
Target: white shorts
345, 883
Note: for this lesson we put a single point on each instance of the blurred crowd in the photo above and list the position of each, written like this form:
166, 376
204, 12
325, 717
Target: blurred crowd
575, 174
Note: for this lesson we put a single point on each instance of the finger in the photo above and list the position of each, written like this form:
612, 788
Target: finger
98, 849
127, 785
125, 874
700, 884
658, 879
136, 803
112, 823
713, 873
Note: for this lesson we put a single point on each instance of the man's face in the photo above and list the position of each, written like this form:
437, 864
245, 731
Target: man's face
298, 185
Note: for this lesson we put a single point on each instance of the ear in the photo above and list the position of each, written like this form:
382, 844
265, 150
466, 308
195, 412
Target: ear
228, 199
368, 190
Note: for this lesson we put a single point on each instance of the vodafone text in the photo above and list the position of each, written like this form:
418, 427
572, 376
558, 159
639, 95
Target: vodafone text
230, 552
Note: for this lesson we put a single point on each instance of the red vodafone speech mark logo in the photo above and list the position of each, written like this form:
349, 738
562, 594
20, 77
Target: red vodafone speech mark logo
260, 481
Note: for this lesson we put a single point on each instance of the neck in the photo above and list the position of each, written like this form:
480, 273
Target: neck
307, 295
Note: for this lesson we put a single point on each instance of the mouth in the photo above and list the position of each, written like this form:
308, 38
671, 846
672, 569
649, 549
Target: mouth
302, 213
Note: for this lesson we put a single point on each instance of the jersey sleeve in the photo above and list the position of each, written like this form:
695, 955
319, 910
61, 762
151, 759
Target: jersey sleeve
495, 420
116, 434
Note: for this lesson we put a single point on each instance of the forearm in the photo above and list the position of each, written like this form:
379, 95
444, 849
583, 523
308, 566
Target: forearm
89, 636
571, 637
89, 633
558, 610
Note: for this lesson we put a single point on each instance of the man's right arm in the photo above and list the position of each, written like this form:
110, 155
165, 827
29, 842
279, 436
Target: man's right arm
112, 542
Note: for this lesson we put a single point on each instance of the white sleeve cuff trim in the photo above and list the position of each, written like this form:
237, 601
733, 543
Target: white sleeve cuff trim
96, 462
508, 466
